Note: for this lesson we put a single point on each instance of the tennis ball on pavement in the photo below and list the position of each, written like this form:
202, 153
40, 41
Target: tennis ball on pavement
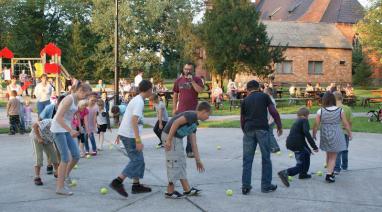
73, 183
278, 153
229, 192
325, 165
158, 146
218, 147
111, 146
103, 191
319, 173
290, 155
75, 166
290, 178
88, 156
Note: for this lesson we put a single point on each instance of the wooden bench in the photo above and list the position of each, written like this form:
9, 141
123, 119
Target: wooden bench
373, 100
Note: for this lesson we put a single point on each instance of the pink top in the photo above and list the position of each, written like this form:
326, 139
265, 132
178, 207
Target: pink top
78, 116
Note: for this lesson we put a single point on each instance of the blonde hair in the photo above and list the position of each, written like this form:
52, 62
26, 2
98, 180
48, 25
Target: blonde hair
83, 103
101, 104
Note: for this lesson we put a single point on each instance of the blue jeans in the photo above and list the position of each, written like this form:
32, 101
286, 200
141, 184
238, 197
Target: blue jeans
41, 106
303, 163
250, 141
342, 157
136, 166
92, 140
65, 144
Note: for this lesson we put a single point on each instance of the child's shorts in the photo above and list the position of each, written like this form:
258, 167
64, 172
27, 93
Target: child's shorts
102, 128
175, 160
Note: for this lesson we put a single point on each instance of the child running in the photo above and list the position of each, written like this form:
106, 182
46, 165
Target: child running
91, 118
103, 122
180, 126
42, 139
162, 115
296, 142
130, 133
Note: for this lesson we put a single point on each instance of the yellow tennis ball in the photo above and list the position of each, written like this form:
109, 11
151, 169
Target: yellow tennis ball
319, 173
290, 155
75, 166
103, 191
88, 156
218, 147
229, 192
278, 153
290, 178
73, 183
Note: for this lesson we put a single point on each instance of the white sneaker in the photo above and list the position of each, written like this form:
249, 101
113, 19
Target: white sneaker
64, 191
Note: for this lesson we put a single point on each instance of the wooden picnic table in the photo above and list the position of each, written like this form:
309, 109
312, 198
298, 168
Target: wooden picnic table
376, 92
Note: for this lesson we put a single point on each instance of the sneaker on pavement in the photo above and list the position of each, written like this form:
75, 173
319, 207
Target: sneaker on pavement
37, 181
330, 178
173, 195
64, 191
140, 188
192, 192
271, 188
284, 177
117, 186
245, 191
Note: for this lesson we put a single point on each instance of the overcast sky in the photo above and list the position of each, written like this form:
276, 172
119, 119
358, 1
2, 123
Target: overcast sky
364, 2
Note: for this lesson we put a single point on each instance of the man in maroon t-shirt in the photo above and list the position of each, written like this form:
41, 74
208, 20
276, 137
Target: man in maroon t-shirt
186, 89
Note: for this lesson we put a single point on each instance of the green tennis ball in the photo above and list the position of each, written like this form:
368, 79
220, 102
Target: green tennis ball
290, 155
103, 191
75, 166
88, 156
319, 173
229, 192
73, 183
290, 178
111, 146
158, 146
278, 153
218, 147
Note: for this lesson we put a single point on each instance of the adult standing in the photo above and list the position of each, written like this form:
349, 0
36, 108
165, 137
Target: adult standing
186, 90
43, 92
13, 86
254, 123
64, 135
100, 87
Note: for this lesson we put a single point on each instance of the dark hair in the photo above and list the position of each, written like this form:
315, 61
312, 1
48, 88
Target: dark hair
81, 86
155, 97
303, 112
190, 63
115, 109
204, 106
59, 99
328, 100
144, 86
13, 93
253, 85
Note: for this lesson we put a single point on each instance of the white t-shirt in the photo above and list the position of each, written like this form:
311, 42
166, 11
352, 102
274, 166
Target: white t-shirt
134, 108
328, 108
138, 79
162, 106
42, 92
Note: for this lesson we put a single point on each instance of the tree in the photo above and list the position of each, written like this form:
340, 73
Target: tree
360, 67
370, 28
236, 41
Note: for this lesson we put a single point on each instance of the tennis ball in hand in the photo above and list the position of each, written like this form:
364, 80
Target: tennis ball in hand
290, 178
103, 191
75, 166
319, 173
278, 153
218, 147
73, 183
290, 155
229, 192
88, 156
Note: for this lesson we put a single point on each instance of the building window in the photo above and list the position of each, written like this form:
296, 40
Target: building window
284, 67
315, 67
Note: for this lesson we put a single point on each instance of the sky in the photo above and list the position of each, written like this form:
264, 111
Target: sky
364, 2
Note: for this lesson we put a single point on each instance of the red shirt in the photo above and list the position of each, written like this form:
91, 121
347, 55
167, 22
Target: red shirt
188, 97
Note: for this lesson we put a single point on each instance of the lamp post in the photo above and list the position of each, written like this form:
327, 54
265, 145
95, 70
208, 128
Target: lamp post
116, 56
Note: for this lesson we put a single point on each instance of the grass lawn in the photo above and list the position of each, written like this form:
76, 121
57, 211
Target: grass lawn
360, 124
3, 103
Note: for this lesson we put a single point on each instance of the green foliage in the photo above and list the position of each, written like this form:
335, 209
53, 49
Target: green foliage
360, 68
236, 41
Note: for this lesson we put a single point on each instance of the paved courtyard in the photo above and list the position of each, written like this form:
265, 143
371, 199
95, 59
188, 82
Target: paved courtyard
356, 190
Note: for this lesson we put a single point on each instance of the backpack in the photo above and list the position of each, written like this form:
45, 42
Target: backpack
186, 130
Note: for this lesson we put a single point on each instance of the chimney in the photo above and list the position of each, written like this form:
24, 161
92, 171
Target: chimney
316, 11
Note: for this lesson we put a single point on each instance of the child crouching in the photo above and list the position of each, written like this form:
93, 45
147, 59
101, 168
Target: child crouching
42, 139
296, 142
176, 129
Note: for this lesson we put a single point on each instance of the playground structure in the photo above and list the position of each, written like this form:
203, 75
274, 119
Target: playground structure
38, 66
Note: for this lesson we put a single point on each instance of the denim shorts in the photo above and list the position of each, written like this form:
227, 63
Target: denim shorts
65, 144
135, 169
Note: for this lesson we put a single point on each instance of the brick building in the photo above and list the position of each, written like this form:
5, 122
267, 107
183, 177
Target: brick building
317, 41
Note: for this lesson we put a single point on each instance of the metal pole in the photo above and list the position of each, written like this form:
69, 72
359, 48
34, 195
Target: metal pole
116, 56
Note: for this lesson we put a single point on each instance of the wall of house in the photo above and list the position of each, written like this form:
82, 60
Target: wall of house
333, 71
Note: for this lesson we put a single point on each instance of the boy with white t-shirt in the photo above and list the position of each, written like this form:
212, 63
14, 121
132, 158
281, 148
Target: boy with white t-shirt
129, 132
